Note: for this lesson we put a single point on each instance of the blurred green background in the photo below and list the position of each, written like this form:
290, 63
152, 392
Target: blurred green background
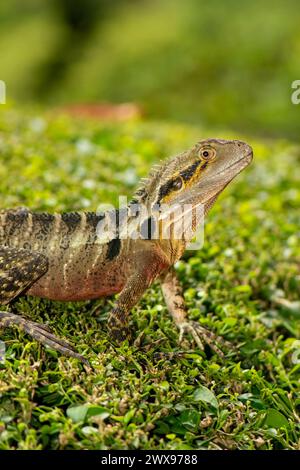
217, 63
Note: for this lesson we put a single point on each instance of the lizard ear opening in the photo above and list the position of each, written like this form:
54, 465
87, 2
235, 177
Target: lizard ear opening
177, 184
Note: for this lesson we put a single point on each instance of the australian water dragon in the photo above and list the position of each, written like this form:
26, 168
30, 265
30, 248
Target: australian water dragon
62, 256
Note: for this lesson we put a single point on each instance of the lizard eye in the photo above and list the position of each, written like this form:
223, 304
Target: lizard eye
207, 153
177, 183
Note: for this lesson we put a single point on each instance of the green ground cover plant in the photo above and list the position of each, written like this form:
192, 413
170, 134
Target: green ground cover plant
243, 284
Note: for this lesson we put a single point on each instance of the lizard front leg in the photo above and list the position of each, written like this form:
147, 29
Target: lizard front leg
19, 270
173, 295
135, 287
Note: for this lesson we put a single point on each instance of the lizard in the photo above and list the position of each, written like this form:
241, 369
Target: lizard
61, 256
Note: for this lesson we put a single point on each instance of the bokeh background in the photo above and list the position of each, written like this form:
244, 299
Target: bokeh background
221, 64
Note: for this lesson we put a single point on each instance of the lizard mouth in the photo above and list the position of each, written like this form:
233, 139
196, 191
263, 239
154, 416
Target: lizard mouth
246, 159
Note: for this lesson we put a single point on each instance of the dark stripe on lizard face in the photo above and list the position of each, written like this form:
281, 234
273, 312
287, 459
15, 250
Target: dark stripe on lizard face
190, 171
165, 189
186, 175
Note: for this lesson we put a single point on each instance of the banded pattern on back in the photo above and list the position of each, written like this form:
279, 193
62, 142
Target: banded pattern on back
41, 231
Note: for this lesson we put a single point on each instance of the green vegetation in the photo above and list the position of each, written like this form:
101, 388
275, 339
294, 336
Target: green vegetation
244, 284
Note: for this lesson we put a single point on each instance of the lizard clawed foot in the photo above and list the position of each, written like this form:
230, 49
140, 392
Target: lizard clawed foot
118, 329
41, 333
118, 335
202, 335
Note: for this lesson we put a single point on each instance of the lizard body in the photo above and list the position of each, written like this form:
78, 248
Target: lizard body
64, 257
79, 265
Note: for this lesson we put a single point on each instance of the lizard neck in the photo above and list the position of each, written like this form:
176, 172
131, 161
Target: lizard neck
171, 249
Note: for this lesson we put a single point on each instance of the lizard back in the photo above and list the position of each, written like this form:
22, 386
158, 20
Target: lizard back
80, 265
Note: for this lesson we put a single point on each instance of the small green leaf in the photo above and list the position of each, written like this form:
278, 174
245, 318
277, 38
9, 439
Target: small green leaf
275, 419
244, 288
190, 419
77, 413
164, 385
129, 415
176, 426
161, 427
97, 411
89, 430
204, 394
171, 436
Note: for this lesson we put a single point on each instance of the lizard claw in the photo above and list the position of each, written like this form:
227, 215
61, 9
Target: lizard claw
202, 335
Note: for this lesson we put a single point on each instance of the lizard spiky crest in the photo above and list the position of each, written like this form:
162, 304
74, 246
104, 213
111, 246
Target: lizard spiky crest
150, 185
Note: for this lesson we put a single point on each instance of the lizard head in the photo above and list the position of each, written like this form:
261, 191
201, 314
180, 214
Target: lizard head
195, 177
